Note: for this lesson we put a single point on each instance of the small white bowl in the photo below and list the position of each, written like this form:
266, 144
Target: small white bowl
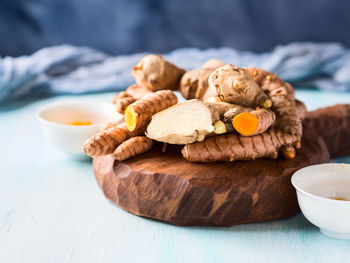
316, 187
69, 139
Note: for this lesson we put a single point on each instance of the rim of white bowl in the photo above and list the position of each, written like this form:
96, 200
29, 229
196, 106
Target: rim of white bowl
68, 102
313, 195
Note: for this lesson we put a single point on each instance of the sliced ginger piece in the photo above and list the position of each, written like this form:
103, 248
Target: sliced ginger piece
188, 122
183, 123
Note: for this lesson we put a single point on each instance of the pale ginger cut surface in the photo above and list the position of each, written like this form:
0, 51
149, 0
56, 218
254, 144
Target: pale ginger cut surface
189, 121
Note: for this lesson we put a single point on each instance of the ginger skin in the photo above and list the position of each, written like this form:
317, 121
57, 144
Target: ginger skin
139, 113
132, 147
213, 63
108, 125
253, 122
130, 95
194, 83
301, 109
106, 141
155, 73
233, 147
283, 101
234, 85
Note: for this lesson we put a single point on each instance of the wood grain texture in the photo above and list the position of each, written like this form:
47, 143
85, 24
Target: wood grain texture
166, 187
333, 125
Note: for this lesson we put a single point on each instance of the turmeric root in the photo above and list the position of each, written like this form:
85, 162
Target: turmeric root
132, 147
189, 121
283, 101
233, 147
155, 73
122, 103
235, 85
130, 95
108, 125
231, 113
213, 63
253, 122
139, 113
106, 141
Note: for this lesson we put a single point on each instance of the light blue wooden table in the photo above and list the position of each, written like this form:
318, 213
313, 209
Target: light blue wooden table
51, 210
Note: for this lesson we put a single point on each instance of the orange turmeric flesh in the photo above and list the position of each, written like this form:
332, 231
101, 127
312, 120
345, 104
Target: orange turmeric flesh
245, 123
79, 123
131, 118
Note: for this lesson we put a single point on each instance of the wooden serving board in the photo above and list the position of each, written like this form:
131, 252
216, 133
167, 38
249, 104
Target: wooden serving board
166, 187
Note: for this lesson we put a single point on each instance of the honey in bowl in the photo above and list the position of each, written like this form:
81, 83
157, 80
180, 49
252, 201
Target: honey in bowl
79, 123
338, 198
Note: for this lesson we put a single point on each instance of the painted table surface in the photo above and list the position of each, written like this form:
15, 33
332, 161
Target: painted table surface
51, 210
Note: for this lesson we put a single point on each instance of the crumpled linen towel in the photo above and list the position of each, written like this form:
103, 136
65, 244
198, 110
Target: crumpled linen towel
69, 69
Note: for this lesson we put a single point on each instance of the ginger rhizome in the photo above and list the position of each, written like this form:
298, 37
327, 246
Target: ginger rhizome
234, 84
189, 121
132, 147
253, 122
194, 83
213, 63
130, 95
106, 141
139, 113
155, 73
232, 113
233, 147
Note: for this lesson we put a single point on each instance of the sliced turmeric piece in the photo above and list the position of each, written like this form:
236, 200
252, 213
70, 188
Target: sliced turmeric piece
132, 147
139, 113
254, 122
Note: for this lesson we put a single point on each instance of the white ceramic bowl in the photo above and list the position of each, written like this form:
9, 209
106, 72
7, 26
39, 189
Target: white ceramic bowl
69, 139
317, 186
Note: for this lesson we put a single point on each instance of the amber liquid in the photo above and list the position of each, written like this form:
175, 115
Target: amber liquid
79, 123
338, 198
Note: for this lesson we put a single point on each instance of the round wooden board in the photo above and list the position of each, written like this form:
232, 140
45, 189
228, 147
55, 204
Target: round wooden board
166, 187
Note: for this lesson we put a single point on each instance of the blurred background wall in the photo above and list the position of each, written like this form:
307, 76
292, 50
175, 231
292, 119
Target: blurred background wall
128, 26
